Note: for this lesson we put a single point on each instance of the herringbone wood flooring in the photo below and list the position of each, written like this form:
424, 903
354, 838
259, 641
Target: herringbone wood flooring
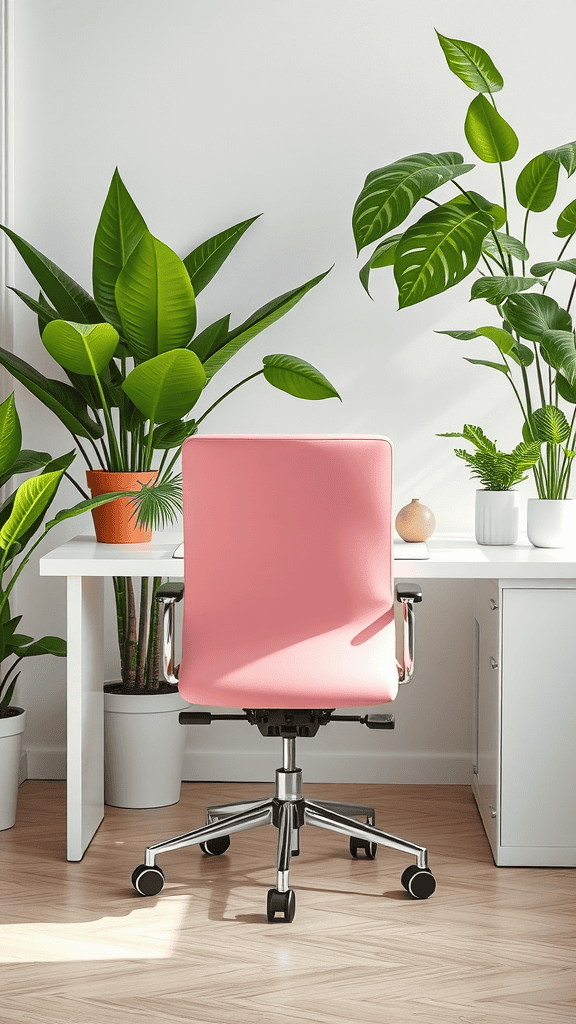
492, 946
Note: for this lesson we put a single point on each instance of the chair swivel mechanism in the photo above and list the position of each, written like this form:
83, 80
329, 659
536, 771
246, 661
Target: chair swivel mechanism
288, 615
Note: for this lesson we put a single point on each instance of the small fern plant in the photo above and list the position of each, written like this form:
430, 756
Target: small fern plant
495, 470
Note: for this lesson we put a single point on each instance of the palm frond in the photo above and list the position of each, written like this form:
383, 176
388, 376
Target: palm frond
160, 504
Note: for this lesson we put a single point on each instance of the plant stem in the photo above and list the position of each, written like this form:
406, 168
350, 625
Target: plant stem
82, 452
153, 654
571, 296
524, 235
130, 649
77, 485
142, 635
222, 397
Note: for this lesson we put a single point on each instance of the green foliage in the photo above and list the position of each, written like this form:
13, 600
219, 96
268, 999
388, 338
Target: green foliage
534, 334
22, 517
137, 367
495, 470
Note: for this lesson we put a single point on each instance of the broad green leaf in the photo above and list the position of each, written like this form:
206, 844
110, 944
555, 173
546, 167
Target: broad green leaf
507, 244
565, 155
80, 348
486, 362
58, 465
495, 288
559, 350
439, 251
47, 645
498, 213
297, 377
205, 261
166, 387
210, 339
172, 435
489, 135
546, 268
70, 300
503, 339
119, 230
391, 192
60, 398
566, 390
31, 499
85, 506
476, 436
262, 318
566, 224
43, 309
526, 454
549, 425
460, 335
471, 64
26, 462
10, 435
531, 315
383, 256
155, 299
537, 183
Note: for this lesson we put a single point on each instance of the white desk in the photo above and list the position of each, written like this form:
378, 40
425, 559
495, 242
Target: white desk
513, 569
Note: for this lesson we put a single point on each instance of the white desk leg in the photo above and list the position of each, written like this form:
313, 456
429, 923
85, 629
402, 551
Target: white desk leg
85, 716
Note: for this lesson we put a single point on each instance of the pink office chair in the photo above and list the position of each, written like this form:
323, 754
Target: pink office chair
289, 614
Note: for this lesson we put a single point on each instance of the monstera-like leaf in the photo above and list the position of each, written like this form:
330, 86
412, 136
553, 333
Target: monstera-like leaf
391, 192
439, 251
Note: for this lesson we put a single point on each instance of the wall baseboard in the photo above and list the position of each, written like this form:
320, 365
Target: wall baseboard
222, 766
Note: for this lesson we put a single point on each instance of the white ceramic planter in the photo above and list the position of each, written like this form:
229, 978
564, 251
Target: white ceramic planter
551, 523
11, 730
143, 749
497, 517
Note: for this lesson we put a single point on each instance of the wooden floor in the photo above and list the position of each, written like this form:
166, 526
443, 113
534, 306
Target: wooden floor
493, 945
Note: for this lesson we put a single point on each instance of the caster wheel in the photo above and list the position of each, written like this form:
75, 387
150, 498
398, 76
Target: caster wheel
419, 882
214, 847
370, 849
148, 881
281, 903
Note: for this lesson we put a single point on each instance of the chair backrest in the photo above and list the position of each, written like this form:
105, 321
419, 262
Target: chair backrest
288, 571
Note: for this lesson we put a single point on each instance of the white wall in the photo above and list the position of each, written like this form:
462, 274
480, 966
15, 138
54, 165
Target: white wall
215, 110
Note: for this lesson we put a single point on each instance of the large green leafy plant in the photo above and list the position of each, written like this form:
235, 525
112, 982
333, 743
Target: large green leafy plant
137, 366
532, 333
22, 515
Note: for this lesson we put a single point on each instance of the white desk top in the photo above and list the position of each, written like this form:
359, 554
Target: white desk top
452, 556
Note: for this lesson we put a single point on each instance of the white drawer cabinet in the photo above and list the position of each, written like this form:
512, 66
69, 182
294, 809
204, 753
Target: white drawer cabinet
524, 772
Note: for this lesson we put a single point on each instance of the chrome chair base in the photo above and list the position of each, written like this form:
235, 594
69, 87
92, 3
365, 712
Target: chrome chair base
288, 810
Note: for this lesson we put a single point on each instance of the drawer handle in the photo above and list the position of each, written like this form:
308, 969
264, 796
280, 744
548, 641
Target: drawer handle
492, 811
493, 605
493, 663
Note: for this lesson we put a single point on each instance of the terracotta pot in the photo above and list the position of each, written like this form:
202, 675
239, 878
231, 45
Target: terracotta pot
115, 522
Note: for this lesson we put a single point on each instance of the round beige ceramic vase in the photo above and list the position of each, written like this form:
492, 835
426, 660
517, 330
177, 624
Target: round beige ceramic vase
415, 522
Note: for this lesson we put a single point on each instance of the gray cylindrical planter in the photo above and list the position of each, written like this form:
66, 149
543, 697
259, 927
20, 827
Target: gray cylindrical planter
11, 730
143, 749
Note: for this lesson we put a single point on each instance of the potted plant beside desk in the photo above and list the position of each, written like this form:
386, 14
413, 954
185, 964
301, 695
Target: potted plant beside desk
137, 366
532, 333
497, 510
21, 517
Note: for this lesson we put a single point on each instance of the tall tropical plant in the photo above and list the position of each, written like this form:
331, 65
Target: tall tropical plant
22, 516
533, 334
137, 366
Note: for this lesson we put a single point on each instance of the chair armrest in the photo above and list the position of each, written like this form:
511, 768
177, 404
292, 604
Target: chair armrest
408, 594
168, 594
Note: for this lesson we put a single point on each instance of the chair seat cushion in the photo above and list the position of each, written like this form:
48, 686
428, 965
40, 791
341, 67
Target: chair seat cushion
351, 666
